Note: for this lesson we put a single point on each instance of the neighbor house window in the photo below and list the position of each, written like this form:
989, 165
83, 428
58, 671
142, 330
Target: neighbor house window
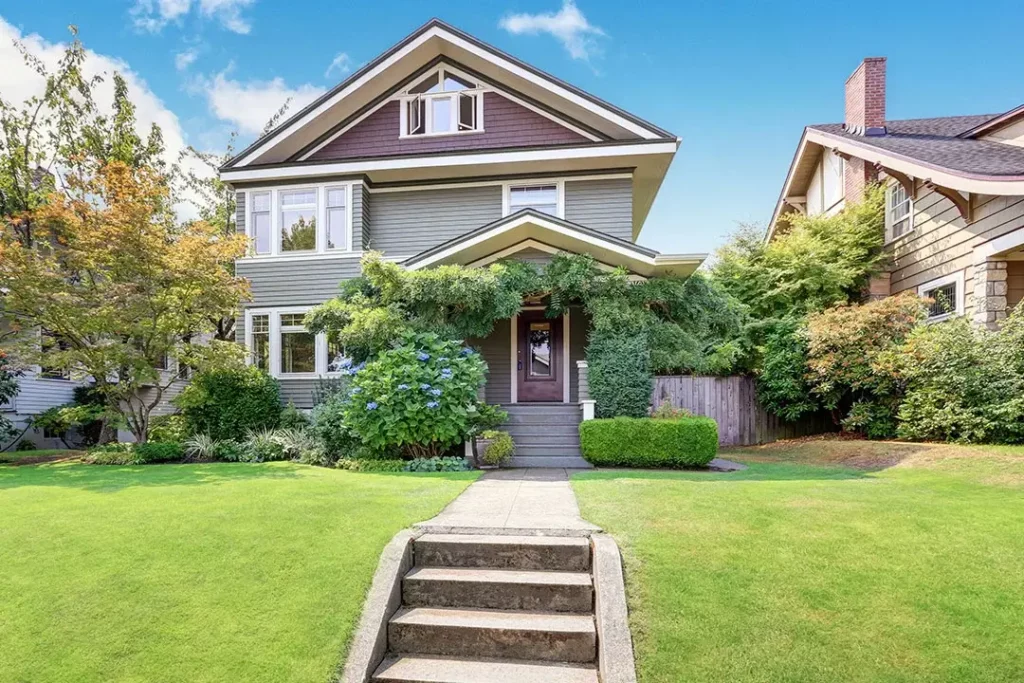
298, 345
259, 219
899, 211
442, 103
298, 220
947, 295
543, 198
260, 348
52, 342
337, 218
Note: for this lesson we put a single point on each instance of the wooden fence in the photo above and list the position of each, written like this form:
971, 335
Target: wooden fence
732, 403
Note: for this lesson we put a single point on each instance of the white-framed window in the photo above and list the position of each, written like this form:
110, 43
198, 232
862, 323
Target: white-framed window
300, 221
544, 196
443, 102
261, 228
277, 341
947, 295
899, 211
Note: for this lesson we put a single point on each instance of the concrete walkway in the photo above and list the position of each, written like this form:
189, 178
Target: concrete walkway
514, 502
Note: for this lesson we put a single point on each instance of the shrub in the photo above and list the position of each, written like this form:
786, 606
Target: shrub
293, 418
449, 464
619, 373
159, 452
200, 447
329, 428
416, 397
643, 442
113, 454
25, 445
372, 464
229, 450
227, 403
262, 445
667, 411
168, 428
782, 385
500, 449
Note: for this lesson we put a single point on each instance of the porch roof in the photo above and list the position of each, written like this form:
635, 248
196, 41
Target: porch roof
532, 228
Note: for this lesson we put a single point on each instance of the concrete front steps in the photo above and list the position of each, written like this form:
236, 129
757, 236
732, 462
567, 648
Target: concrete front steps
545, 434
480, 609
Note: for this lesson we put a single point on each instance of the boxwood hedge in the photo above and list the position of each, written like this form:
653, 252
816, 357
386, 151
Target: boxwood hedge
646, 442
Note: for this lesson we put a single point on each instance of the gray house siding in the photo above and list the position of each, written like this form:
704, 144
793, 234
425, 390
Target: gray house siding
240, 212
496, 351
296, 283
406, 223
364, 215
506, 124
298, 391
358, 225
605, 205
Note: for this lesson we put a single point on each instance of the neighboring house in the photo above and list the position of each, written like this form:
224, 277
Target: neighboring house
954, 196
444, 150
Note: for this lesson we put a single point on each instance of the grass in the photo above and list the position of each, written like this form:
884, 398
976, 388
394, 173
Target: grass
824, 561
216, 572
39, 454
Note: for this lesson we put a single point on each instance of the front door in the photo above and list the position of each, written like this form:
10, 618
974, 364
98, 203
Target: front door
539, 357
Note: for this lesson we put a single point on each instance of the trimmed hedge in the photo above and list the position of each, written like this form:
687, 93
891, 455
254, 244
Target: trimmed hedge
645, 442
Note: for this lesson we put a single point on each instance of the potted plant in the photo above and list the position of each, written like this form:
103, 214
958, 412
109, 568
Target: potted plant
496, 448
483, 417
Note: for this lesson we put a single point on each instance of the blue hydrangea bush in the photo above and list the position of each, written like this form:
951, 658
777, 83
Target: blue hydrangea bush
418, 398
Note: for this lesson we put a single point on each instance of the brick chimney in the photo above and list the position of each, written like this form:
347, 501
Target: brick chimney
865, 116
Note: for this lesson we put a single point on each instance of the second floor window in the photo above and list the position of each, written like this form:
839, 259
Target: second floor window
899, 211
261, 228
442, 103
298, 220
543, 198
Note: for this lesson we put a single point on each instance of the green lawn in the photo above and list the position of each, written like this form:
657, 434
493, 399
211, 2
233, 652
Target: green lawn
825, 561
38, 454
218, 572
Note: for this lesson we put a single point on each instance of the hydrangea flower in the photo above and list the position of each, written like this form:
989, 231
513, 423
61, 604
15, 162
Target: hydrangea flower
446, 373
435, 392
431, 404
372, 405
403, 387
423, 356
425, 387
466, 351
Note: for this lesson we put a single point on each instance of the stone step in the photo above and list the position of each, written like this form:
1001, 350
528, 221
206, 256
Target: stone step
498, 634
534, 450
498, 589
546, 415
537, 437
542, 461
503, 552
408, 669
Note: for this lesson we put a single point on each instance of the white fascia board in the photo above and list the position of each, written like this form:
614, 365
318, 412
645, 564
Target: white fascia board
964, 182
370, 165
540, 222
800, 150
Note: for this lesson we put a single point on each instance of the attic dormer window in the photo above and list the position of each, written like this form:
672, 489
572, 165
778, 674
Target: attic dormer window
442, 103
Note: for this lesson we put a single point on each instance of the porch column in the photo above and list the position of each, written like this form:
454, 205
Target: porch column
990, 292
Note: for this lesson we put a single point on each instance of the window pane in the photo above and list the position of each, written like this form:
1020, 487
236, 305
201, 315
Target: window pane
298, 197
261, 350
441, 110
944, 300
428, 84
337, 229
261, 201
540, 197
293, 320
261, 232
298, 230
335, 352
260, 323
467, 112
336, 197
540, 349
453, 83
417, 115
298, 352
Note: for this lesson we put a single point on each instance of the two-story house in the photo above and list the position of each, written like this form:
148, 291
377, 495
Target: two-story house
446, 150
954, 204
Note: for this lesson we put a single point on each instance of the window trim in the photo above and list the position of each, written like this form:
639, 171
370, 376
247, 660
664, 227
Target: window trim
890, 188
506, 194
956, 278
274, 344
405, 97
320, 213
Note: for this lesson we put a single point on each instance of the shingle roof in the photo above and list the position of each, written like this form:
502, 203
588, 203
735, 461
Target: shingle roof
934, 141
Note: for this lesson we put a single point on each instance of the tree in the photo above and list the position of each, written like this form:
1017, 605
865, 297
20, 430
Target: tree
120, 286
8, 390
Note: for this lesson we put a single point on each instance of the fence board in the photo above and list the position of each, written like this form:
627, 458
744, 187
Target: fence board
732, 403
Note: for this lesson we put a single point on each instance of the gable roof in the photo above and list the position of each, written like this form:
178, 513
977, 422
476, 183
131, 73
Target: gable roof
425, 43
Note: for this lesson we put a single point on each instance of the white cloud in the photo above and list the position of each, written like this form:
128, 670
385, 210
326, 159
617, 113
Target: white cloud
341, 63
153, 15
250, 105
569, 26
18, 82
185, 58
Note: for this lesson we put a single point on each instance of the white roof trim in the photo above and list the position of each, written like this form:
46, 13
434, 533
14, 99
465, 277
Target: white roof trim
540, 222
439, 32
522, 246
432, 161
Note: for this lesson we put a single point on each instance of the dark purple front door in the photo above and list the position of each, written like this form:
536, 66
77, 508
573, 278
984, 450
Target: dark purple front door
539, 357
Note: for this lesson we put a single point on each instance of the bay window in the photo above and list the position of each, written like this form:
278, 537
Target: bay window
279, 343
442, 103
298, 345
260, 345
337, 218
298, 220
291, 221
260, 221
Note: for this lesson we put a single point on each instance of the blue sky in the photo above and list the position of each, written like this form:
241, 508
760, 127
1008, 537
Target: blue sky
737, 81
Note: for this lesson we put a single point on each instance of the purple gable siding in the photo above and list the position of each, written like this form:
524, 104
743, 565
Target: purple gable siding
506, 124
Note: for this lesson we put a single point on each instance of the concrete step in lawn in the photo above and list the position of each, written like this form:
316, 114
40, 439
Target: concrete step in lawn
507, 589
420, 669
499, 634
528, 553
